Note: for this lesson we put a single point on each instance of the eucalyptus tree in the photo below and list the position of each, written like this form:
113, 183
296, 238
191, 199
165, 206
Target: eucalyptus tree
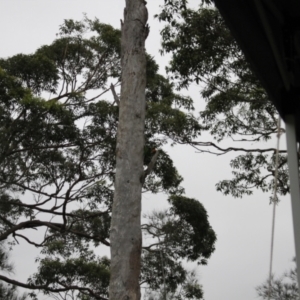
126, 235
237, 108
59, 114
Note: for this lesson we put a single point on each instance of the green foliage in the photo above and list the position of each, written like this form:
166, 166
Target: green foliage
237, 107
190, 289
57, 164
253, 175
193, 231
284, 287
7, 291
172, 8
36, 71
181, 233
5, 265
84, 271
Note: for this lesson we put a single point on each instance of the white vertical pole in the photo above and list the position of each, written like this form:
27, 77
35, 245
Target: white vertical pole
290, 126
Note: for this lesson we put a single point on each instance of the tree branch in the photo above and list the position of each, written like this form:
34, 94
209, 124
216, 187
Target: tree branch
55, 226
47, 288
150, 166
116, 98
225, 150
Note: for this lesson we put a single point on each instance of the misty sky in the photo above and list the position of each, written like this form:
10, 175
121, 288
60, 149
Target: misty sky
243, 226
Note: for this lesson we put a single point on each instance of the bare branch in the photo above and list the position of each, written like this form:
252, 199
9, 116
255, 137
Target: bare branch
116, 98
28, 240
226, 150
54, 226
47, 288
150, 166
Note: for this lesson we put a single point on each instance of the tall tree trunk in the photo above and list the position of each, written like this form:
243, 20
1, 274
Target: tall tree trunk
125, 235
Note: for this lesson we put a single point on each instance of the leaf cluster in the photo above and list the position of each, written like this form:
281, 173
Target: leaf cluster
236, 105
182, 233
284, 287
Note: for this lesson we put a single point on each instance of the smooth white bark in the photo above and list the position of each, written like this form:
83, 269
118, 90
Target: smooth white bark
125, 234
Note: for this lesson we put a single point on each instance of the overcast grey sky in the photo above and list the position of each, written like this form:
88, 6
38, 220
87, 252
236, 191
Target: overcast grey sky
243, 226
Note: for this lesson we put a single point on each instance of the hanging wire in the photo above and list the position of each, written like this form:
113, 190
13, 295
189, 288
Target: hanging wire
274, 200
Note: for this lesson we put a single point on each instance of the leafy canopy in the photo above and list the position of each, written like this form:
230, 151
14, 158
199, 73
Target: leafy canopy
58, 123
237, 107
